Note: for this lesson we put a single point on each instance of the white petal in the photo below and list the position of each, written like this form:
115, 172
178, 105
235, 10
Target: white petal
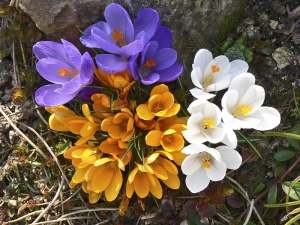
199, 94
230, 138
214, 153
202, 59
214, 135
197, 106
194, 139
194, 148
268, 118
241, 83
197, 181
230, 157
220, 61
230, 121
217, 170
237, 67
230, 100
247, 122
196, 77
219, 84
191, 164
212, 111
254, 96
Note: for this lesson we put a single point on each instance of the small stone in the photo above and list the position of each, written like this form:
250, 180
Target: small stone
12, 203
283, 57
6, 71
273, 24
253, 32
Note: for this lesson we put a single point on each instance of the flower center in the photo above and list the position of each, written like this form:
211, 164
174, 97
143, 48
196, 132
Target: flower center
208, 81
147, 66
64, 72
157, 108
168, 139
206, 159
119, 37
209, 123
242, 110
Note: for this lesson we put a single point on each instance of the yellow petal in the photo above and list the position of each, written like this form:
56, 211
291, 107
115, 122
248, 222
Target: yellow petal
129, 189
88, 130
132, 174
90, 173
102, 161
144, 113
159, 89
111, 146
72, 184
117, 132
172, 182
169, 166
79, 174
172, 142
151, 158
54, 124
173, 110
94, 197
178, 157
112, 190
159, 171
153, 138
101, 179
141, 184
90, 155
106, 123
154, 186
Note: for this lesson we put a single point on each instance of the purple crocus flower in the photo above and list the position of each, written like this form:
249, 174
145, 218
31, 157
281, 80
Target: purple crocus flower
64, 66
157, 60
119, 36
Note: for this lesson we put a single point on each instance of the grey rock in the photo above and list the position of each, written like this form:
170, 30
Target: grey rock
283, 57
6, 71
208, 20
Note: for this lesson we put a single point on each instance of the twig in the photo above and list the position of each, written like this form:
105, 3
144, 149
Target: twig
14, 65
23, 217
250, 212
90, 210
22, 134
51, 203
76, 192
268, 189
23, 54
64, 219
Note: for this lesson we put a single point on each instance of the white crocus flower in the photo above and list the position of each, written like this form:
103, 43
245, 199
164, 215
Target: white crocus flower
205, 164
205, 124
242, 106
211, 75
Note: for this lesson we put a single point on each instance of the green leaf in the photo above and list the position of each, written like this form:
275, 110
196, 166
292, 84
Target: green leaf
295, 191
293, 142
61, 148
284, 155
272, 195
277, 170
259, 188
194, 220
266, 50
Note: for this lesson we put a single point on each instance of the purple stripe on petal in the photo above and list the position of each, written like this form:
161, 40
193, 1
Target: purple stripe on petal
49, 68
46, 96
87, 38
73, 53
163, 36
71, 87
86, 69
118, 19
171, 73
104, 41
164, 58
150, 79
147, 20
133, 67
111, 63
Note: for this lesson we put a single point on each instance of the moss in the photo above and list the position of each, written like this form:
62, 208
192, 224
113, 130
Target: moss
231, 22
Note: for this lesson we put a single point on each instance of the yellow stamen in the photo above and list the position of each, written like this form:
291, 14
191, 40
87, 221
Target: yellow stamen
209, 123
168, 139
206, 159
157, 108
65, 72
150, 62
242, 110
118, 36
209, 80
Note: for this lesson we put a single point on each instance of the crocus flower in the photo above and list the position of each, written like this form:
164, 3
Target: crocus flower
59, 119
119, 36
205, 164
64, 66
211, 75
242, 106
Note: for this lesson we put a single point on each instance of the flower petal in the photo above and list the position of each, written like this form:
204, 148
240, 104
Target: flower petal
191, 164
50, 49
86, 69
217, 171
112, 190
241, 84
173, 181
73, 53
197, 181
154, 186
171, 73
196, 77
199, 94
254, 96
103, 171
141, 184
194, 148
230, 157
268, 118
230, 138
237, 67
153, 138
150, 78
202, 58
144, 113
164, 58
163, 37
220, 62
110, 63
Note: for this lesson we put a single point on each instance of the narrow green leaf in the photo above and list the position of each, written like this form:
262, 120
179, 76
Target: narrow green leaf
249, 143
63, 147
272, 195
259, 188
277, 134
293, 142
284, 155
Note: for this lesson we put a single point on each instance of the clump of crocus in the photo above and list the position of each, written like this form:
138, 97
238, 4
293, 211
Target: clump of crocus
65, 67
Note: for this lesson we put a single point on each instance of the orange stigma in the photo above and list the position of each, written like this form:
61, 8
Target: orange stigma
64, 72
215, 69
150, 63
118, 36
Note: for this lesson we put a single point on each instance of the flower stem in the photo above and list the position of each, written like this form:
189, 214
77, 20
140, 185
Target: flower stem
249, 143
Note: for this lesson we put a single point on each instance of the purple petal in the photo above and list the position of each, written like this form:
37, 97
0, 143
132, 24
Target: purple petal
50, 49
148, 51
133, 67
87, 38
73, 53
104, 41
73, 86
147, 20
111, 63
150, 79
86, 93
164, 58
163, 37
46, 96
134, 47
48, 68
86, 69
171, 73
118, 19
